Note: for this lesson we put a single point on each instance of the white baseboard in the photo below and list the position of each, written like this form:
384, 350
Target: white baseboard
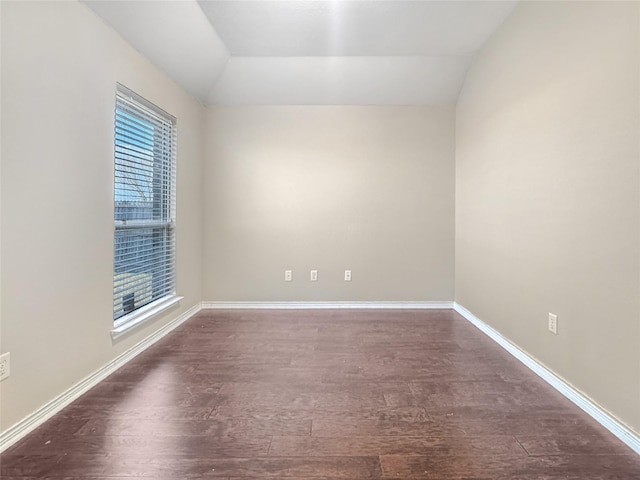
604, 418
44, 413
37, 418
326, 305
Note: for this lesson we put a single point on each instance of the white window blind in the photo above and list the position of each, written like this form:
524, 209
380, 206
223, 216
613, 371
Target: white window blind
145, 171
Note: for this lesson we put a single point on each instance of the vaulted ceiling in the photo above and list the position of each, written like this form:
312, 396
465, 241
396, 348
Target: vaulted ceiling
274, 52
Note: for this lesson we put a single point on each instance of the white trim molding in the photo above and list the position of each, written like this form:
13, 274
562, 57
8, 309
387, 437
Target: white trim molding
326, 305
142, 315
37, 418
604, 418
44, 413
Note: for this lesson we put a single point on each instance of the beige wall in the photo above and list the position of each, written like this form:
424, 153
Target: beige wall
547, 198
60, 64
369, 189
547, 192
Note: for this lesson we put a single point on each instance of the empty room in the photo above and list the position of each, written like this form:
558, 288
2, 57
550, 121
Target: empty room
320, 239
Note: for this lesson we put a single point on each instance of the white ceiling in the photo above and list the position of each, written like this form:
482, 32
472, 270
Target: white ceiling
382, 52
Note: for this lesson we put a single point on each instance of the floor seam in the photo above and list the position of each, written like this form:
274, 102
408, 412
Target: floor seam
522, 446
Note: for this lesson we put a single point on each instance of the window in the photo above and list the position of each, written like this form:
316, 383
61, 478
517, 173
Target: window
145, 160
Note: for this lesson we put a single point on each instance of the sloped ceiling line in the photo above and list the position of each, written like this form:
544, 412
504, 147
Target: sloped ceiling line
266, 52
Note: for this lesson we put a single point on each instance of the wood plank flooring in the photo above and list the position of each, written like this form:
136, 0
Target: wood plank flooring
322, 394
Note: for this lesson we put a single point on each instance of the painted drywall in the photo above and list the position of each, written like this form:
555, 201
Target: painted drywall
547, 197
60, 65
365, 188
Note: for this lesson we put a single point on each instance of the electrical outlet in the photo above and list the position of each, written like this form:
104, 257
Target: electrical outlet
553, 323
347, 275
4, 366
314, 275
288, 276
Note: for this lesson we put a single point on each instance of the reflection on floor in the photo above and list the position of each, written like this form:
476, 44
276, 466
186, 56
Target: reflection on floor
345, 394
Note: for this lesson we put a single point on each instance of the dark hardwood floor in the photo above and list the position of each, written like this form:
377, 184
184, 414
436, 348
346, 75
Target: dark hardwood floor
322, 395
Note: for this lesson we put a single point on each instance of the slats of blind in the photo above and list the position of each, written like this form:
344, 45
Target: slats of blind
144, 253
144, 269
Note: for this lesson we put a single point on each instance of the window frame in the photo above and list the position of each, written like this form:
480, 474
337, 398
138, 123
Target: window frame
155, 236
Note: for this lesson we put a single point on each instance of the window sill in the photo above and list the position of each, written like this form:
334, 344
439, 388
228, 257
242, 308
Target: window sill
143, 315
